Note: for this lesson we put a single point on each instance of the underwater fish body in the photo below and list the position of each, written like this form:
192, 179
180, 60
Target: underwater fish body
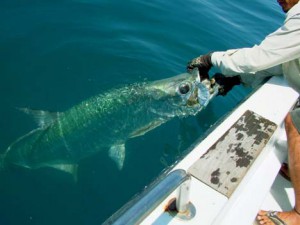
106, 121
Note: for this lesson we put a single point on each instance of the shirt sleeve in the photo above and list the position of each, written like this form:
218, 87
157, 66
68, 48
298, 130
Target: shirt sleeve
255, 79
279, 47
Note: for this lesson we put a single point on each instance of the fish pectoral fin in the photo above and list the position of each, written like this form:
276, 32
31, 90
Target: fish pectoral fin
67, 168
143, 130
117, 154
42, 118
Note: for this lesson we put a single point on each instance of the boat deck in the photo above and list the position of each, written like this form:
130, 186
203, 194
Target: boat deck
271, 102
234, 170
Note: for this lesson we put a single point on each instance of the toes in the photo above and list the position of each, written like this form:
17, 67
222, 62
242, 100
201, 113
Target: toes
261, 221
262, 218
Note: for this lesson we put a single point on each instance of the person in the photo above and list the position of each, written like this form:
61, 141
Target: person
277, 54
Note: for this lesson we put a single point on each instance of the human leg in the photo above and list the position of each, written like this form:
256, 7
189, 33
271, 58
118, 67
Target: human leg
293, 137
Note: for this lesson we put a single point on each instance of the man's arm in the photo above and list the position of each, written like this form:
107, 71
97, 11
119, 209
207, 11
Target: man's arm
279, 47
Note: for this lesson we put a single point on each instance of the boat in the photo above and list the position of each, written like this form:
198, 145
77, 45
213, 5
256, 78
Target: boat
228, 176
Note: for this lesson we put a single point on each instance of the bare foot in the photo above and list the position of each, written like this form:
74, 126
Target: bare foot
289, 218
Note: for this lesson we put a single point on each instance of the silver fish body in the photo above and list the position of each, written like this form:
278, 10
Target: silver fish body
106, 121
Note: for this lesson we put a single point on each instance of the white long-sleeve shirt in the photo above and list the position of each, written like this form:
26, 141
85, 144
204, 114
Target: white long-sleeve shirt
278, 53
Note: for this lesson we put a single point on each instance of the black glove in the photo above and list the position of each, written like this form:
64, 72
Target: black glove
203, 63
226, 83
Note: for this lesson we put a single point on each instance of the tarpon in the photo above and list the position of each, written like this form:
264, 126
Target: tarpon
107, 121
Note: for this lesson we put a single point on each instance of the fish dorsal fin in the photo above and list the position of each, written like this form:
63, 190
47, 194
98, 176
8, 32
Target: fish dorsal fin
71, 169
117, 154
42, 118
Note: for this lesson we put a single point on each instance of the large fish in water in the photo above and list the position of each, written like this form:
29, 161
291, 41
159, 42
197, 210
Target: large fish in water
106, 121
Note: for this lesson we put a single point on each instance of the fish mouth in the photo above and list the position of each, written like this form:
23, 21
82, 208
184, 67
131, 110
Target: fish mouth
193, 100
204, 91
199, 97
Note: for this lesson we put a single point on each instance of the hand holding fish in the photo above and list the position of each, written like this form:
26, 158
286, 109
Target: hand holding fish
203, 63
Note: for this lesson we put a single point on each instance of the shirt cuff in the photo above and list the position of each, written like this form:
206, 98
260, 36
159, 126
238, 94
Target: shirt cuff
215, 58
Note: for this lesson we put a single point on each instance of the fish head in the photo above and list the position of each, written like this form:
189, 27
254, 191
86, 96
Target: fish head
184, 94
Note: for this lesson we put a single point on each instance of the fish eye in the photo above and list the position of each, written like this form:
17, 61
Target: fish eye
184, 88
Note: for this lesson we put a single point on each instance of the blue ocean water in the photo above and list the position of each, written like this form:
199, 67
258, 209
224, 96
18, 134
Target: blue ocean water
54, 54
